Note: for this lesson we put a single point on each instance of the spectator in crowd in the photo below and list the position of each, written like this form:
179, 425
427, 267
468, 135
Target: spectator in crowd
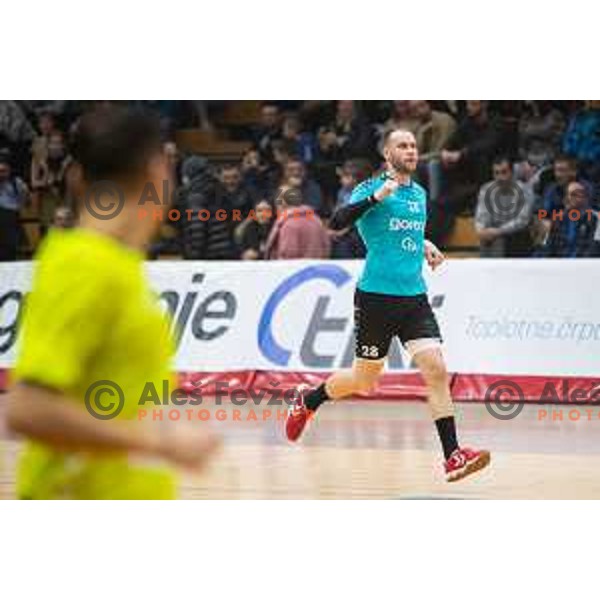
503, 214
565, 171
204, 239
13, 196
540, 129
253, 233
50, 179
348, 135
346, 243
433, 129
298, 232
237, 195
173, 157
259, 176
303, 142
63, 218
469, 152
295, 176
465, 159
269, 129
402, 117
16, 134
582, 139
39, 150
575, 234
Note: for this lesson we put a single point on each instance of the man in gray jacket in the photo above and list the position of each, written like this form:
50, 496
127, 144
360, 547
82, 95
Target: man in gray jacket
503, 214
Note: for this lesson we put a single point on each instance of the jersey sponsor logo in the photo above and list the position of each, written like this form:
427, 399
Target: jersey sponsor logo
409, 245
397, 224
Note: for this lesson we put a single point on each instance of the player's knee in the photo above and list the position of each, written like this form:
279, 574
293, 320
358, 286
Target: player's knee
365, 379
434, 372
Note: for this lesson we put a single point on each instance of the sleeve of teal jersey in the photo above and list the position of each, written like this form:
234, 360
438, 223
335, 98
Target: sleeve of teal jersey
362, 191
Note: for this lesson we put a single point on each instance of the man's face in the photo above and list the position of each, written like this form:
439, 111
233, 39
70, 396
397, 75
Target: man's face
401, 108
502, 172
294, 170
269, 117
231, 179
576, 196
474, 108
62, 218
347, 179
264, 212
46, 124
345, 109
420, 109
564, 172
4, 171
291, 128
401, 151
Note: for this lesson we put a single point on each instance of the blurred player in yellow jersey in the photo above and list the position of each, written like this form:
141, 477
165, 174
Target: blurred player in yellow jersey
91, 317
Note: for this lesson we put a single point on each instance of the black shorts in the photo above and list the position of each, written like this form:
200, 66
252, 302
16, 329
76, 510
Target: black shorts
379, 317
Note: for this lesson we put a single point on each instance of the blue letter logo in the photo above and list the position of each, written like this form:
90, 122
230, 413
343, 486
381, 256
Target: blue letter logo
266, 342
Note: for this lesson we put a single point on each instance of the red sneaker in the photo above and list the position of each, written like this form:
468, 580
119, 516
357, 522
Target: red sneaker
464, 462
298, 416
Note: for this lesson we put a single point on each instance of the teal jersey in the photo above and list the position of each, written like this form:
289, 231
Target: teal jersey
394, 234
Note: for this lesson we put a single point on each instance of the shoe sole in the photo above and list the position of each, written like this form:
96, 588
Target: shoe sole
481, 462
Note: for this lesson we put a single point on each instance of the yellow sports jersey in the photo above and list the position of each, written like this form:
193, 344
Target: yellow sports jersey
91, 316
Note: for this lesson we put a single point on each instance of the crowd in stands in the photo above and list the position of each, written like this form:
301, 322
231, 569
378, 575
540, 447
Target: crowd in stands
308, 155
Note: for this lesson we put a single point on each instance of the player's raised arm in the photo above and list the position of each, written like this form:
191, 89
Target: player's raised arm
347, 215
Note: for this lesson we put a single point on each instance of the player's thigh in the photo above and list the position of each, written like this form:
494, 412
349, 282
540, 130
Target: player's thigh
373, 327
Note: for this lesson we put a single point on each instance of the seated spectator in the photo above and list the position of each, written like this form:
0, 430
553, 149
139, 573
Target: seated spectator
582, 139
173, 158
237, 194
252, 234
402, 117
16, 134
13, 197
268, 130
210, 239
348, 135
433, 129
303, 142
573, 237
258, 175
298, 232
50, 179
468, 154
63, 218
540, 129
565, 171
504, 233
295, 176
39, 149
346, 243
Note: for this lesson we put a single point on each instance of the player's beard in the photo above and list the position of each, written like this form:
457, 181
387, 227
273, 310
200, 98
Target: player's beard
401, 167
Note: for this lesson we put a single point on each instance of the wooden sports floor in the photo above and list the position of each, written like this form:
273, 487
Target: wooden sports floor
388, 450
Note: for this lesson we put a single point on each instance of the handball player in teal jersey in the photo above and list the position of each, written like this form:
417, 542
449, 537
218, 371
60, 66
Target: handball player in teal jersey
390, 212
